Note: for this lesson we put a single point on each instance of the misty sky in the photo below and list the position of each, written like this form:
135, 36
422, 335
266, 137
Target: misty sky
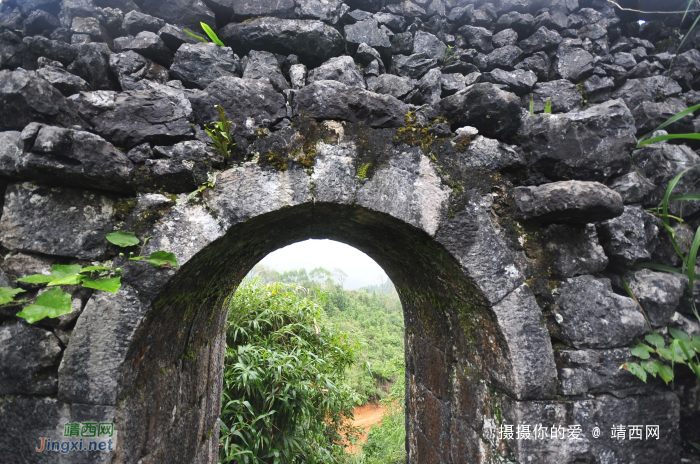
309, 254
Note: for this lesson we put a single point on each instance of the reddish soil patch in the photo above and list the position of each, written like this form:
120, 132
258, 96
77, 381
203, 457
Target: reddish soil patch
365, 417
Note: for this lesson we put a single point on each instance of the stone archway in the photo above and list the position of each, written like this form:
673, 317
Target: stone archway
473, 328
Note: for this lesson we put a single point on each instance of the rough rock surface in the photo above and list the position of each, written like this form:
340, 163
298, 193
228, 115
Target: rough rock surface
129, 118
249, 103
26, 352
597, 371
564, 96
335, 100
491, 110
627, 239
313, 41
67, 157
88, 375
131, 68
26, 98
200, 64
341, 69
62, 222
400, 127
591, 144
575, 250
389, 84
590, 315
574, 202
659, 293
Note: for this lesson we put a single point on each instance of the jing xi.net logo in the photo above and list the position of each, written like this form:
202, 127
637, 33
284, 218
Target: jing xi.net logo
81, 436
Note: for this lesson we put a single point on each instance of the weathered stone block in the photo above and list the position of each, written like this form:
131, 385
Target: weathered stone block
590, 315
26, 354
592, 144
567, 202
61, 221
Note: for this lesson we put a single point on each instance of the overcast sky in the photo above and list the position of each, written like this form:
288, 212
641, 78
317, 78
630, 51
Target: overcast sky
309, 254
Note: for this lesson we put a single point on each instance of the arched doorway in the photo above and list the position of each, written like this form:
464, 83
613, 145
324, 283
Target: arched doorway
473, 328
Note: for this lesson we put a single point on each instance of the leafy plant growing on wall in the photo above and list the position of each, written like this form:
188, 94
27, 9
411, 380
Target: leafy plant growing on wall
54, 302
220, 133
682, 348
208, 30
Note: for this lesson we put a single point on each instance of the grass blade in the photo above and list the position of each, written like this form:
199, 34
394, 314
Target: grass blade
668, 137
195, 36
659, 267
212, 35
629, 292
685, 37
687, 196
669, 190
692, 256
670, 120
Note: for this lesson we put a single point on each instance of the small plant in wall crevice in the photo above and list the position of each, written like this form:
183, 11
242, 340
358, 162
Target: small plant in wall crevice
54, 302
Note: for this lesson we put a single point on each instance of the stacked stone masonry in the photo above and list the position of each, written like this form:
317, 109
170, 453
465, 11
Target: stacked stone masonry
402, 128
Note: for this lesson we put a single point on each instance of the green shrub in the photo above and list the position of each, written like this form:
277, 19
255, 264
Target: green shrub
284, 400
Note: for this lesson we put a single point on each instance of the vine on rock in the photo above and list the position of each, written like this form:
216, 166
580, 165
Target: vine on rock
55, 302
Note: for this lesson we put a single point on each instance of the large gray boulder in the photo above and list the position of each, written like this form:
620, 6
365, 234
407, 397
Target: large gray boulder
655, 88
131, 68
484, 154
158, 115
592, 144
427, 43
564, 96
390, 84
659, 293
590, 315
661, 162
66, 83
11, 149
61, 222
313, 41
478, 38
328, 11
135, 22
200, 64
629, 238
572, 62
249, 103
572, 202
183, 13
368, 32
494, 112
335, 100
26, 352
151, 46
518, 81
575, 250
428, 89
90, 368
596, 371
51, 49
265, 65
542, 39
414, 66
252, 8
25, 97
92, 64
73, 159
341, 69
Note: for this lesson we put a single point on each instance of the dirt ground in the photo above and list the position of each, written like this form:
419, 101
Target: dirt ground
365, 417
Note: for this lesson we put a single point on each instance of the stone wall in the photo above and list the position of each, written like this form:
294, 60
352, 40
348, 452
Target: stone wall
400, 128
